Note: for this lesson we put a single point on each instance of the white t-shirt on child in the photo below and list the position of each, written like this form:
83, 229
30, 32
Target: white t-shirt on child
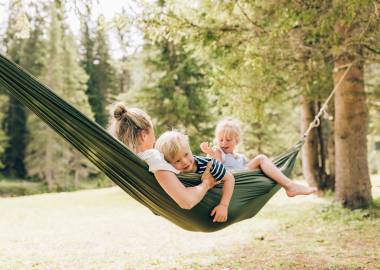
156, 161
233, 161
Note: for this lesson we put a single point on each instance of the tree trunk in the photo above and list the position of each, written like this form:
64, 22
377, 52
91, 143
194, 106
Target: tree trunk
330, 184
353, 186
322, 175
310, 149
16, 130
48, 166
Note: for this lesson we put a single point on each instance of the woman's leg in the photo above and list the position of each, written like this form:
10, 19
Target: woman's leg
266, 165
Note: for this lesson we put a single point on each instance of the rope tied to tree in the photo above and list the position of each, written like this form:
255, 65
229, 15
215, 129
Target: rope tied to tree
316, 122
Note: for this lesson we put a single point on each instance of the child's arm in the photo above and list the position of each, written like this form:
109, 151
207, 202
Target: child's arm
221, 210
213, 153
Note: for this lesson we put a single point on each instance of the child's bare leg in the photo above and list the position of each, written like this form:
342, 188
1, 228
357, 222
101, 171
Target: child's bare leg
266, 165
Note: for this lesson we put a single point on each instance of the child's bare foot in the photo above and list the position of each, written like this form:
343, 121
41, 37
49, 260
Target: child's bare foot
295, 189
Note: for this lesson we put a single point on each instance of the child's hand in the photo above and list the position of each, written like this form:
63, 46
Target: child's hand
220, 212
208, 178
206, 148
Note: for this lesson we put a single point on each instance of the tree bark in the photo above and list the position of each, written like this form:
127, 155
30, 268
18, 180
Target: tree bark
353, 186
310, 148
330, 184
321, 158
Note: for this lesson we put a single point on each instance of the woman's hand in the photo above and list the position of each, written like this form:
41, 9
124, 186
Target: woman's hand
207, 177
220, 212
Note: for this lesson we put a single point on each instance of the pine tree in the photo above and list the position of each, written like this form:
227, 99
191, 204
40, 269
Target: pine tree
124, 64
96, 61
175, 94
3, 136
49, 156
27, 52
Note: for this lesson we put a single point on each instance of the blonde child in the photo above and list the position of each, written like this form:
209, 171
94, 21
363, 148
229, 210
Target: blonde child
176, 149
227, 137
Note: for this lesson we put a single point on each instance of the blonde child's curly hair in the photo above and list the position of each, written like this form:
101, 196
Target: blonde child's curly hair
230, 127
170, 143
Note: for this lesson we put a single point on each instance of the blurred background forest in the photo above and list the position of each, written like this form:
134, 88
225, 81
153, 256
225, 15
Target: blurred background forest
188, 64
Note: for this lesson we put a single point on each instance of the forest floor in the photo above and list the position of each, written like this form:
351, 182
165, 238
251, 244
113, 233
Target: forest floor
106, 229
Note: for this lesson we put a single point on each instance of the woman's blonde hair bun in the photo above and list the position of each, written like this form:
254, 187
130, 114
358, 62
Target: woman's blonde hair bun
118, 110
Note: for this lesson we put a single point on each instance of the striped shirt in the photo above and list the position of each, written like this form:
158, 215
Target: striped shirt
217, 169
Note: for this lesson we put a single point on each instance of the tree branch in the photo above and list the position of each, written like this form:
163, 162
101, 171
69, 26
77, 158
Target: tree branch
224, 28
374, 50
258, 27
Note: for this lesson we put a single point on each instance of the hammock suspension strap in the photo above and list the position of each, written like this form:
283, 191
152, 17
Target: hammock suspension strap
316, 122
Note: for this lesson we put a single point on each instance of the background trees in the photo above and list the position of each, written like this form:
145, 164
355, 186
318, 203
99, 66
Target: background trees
29, 53
49, 157
266, 50
269, 63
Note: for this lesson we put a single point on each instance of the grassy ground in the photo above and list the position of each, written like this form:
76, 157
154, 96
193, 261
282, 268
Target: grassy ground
16, 187
106, 229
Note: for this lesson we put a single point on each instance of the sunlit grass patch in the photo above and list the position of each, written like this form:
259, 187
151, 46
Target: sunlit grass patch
10, 188
106, 229
15, 187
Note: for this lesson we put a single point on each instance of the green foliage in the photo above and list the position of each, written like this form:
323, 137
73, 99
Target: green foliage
376, 203
175, 94
336, 213
3, 136
372, 78
96, 61
49, 157
21, 188
14, 125
202, 61
29, 54
266, 53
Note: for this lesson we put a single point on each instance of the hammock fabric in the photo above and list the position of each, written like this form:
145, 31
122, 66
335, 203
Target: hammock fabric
252, 189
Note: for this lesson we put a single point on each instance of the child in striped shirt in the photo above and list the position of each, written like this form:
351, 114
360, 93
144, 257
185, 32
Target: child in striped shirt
176, 150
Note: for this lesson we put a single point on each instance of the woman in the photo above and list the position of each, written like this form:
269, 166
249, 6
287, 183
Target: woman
134, 128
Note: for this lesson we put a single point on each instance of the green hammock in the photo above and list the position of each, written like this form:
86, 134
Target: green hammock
252, 189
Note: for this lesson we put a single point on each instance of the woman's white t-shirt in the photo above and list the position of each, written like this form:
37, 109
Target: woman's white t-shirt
155, 160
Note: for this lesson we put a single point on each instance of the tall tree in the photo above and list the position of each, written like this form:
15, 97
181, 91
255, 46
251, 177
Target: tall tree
175, 89
49, 157
353, 186
357, 35
317, 160
104, 71
3, 137
88, 59
96, 60
124, 64
27, 51
178, 83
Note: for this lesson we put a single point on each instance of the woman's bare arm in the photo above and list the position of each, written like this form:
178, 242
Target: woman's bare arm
185, 197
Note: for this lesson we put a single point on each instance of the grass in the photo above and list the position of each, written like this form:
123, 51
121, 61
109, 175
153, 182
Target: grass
11, 188
106, 229
15, 187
